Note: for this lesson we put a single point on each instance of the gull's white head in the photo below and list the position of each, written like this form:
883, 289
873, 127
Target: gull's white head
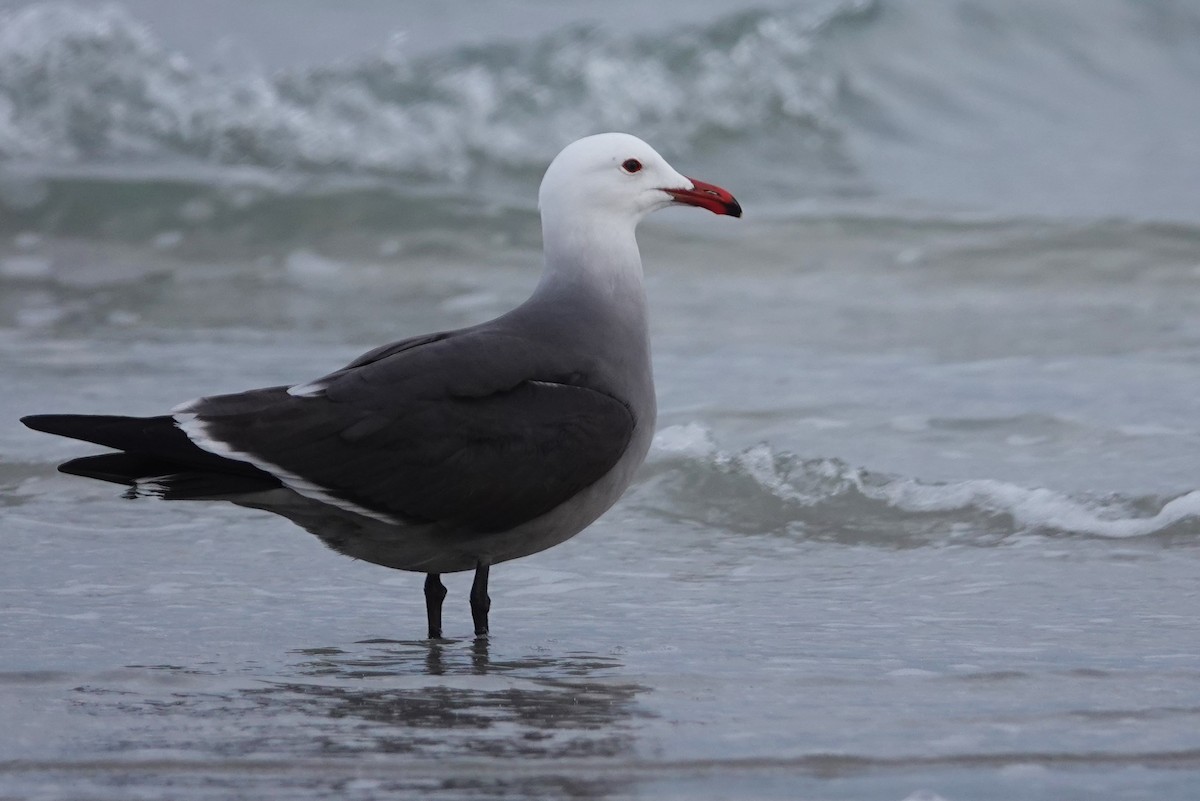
616, 174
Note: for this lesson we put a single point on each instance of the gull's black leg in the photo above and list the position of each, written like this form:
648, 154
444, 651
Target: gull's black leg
435, 592
480, 602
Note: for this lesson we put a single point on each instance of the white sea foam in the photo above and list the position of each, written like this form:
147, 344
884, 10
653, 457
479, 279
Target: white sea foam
1037, 509
855, 98
760, 488
80, 82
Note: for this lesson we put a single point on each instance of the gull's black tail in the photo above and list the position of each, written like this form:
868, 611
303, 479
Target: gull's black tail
151, 449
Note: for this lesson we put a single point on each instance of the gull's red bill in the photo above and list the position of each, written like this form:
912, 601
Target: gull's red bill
707, 196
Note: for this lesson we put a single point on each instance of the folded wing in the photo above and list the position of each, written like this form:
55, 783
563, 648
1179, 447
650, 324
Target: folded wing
421, 434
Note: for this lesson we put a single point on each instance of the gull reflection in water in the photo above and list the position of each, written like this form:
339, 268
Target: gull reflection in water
452, 699
411, 716
425, 698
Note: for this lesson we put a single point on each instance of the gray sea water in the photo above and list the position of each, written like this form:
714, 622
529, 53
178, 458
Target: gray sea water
922, 518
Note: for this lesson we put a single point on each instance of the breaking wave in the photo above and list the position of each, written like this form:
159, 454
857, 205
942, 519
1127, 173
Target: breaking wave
1027, 108
79, 83
759, 490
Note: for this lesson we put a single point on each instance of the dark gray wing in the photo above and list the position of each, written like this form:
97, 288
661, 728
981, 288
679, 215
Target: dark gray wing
478, 431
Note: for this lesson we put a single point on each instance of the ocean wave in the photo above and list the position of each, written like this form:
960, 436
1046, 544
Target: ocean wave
760, 490
1029, 108
81, 83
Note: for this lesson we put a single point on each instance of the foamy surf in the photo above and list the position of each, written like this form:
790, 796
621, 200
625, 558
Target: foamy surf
760, 489
81, 83
861, 99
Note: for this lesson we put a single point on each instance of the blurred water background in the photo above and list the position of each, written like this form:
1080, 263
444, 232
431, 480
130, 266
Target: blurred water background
922, 517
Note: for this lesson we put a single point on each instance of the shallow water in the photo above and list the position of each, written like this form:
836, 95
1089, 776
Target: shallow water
921, 520
161, 652
849, 569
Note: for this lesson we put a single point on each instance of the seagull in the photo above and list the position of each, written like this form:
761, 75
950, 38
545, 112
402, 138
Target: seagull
456, 450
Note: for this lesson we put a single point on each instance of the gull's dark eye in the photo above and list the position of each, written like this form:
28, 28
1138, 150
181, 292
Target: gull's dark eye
631, 166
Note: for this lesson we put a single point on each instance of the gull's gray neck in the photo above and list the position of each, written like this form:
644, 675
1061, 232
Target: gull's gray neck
591, 301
